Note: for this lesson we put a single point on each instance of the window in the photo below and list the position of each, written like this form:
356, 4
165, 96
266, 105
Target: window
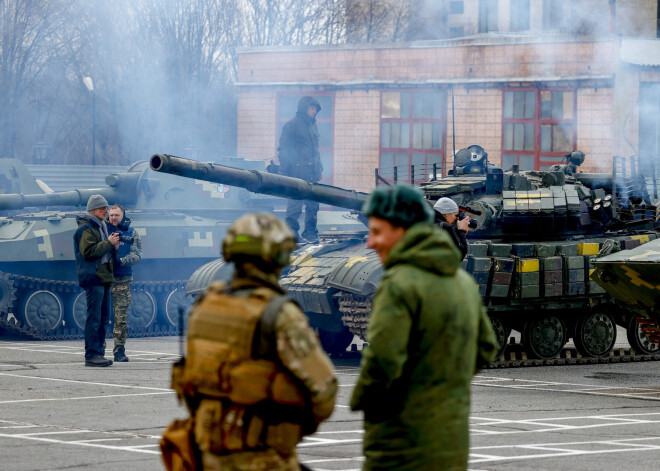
411, 134
553, 14
287, 105
487, 15
456, 32
649, 121
519, 15
538, 127
456, 8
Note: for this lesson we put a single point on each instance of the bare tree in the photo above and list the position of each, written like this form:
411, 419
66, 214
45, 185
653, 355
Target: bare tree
377, 20
33, 45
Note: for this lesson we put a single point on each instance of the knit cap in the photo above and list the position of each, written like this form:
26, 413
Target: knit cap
96, 202
445, 206
401, 205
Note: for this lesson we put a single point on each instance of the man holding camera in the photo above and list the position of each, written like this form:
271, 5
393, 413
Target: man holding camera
95, 266
128, 253
447, 218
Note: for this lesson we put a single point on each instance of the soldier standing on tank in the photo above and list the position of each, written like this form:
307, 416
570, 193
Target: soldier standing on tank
255, 378
128, 254
300, 158
428, 335
95, 266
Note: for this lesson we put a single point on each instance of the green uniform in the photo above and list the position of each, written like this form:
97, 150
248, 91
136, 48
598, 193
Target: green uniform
428, 335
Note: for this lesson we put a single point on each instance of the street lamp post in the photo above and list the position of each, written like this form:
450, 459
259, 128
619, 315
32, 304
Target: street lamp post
90, 86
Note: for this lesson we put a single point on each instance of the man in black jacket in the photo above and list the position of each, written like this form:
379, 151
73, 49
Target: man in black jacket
299, 157
95, 265
446, 211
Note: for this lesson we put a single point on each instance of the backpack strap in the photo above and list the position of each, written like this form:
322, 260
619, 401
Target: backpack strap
264, 344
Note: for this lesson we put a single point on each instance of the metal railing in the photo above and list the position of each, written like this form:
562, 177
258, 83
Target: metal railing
413, 174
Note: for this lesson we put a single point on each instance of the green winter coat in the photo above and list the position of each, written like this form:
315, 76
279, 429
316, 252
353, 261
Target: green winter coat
428, 335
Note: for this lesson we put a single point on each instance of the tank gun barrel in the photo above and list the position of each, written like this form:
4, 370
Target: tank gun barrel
122, 190
259, 182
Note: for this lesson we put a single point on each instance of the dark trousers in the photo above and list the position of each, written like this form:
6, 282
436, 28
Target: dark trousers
293, 212
98, 313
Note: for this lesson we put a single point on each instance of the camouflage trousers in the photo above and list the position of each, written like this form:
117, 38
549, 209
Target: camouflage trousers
121, 298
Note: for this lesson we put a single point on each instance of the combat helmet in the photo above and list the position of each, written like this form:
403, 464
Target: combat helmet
260, 238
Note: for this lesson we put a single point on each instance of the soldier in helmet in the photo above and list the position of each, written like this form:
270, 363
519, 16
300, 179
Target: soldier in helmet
255, 378
428, 335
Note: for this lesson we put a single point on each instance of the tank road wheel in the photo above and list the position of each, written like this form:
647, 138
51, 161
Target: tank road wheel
80, 311
595, 334
43, 310
335, 343
142, 311
545, 337
501, 333
638, 340
175, 299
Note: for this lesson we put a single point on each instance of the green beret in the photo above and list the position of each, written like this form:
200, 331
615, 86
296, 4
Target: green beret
400, 205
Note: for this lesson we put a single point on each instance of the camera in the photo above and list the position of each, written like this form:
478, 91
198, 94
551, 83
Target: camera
472, 224
125, 239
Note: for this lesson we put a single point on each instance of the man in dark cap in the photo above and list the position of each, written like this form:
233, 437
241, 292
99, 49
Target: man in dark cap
95, 265
300, 158
428, 335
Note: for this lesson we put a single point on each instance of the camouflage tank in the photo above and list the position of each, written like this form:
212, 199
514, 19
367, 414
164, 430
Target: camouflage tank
632, 278
181, 224
536, 233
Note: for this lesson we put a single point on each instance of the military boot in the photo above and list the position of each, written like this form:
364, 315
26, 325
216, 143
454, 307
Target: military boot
120, 355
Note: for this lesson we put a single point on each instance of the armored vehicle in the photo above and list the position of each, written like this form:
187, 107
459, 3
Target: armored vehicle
180, 222
632, 278
536, 234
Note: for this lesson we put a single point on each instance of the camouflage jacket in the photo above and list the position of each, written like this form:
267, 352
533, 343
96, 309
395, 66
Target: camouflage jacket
270, 429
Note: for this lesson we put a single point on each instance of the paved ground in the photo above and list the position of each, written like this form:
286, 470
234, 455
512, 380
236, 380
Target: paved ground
57, 414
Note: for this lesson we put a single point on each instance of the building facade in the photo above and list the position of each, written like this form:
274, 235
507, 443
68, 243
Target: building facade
528, 99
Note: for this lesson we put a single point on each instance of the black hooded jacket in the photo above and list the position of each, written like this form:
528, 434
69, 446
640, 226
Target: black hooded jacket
299, 144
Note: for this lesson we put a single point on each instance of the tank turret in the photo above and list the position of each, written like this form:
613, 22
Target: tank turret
537, 232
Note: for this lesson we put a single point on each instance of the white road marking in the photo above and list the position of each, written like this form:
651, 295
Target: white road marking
126, 386
623, 445
646, 393
78, 398
78, 443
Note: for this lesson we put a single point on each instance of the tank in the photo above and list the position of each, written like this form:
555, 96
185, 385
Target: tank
536, 234
632, 278
180, 222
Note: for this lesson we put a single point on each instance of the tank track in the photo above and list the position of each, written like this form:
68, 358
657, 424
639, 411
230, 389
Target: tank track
355, 315
13, 286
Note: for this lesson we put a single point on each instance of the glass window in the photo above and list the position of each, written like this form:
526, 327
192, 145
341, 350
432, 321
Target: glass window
526, 162
509, 160
519, 15
325, 133
487, 15
413, 121
385, 134
391, 107
456, 8
545, 114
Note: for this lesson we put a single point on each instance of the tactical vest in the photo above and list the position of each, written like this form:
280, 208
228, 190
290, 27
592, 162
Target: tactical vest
239, 400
